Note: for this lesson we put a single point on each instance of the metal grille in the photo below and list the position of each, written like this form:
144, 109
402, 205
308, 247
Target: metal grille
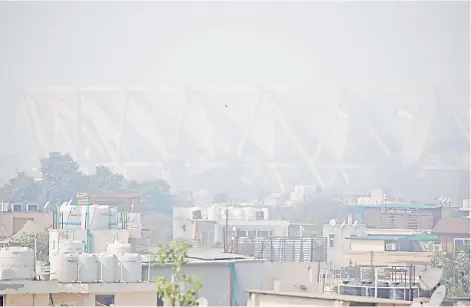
280, 249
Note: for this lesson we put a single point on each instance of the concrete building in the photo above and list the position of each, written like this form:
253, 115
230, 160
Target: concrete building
453, 232
338, 241
54, 293
395, 215
208, 224
278, 298
224, 277
11, 222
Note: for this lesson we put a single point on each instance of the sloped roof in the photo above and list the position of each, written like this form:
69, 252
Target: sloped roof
453, 225
422, 237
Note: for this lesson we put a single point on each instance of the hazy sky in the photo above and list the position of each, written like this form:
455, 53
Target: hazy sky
364, 46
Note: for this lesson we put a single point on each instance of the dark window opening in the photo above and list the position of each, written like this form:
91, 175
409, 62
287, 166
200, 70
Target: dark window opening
1, 300
331, 240
104, 300
160, 301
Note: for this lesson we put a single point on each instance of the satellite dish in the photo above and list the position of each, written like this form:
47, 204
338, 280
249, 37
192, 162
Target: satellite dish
332, 222
343, 224
202, 302
355, 224
69, 202
45, 206
430, 278
437, 296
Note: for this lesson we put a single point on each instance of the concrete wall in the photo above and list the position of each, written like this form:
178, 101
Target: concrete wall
335, 254
81, 299
216, 279
291, 276
262, 300
386, 258
367, 245
12, 222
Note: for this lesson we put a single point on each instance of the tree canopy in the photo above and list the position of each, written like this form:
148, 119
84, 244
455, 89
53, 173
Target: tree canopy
456, 275
61, 179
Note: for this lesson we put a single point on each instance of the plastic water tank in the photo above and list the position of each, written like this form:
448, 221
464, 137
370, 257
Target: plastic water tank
71, 216
118, 248
87, 268
466, 204
100, 217
230, 213
107, 267
266, 214
67, 267
239, 214
71, 246
16, 263
250, 213
130, 267
213, 213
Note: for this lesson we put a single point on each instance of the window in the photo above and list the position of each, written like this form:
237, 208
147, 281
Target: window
241, 233
263, 233
260, 215
460, 243
104, 300
251, 233
331, 240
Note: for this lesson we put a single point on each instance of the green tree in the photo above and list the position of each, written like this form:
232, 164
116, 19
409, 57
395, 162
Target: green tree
27, 240
21, 188
456, 271
106, 181
183, 289
156, 196
62, 178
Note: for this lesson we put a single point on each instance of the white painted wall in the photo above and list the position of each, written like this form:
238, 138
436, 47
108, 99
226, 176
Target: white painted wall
263, 300
367, 245
291, 276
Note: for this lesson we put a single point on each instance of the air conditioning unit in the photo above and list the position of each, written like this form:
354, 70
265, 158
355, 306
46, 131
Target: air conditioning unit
32, 207
437, 248
390, 246
260, 215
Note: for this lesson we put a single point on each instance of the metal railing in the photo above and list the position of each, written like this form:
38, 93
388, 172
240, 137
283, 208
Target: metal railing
279, 249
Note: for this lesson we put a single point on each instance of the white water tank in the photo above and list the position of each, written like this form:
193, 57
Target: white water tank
130, 267
230, 213
71, 217
99, 217
71, 246
118, 248
107, 267
87, 268
266, 214
213, 213
250, 213
66, 267
466, 204
239, 214
16, 263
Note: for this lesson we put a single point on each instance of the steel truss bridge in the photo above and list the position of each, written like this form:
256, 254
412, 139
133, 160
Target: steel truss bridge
261, 137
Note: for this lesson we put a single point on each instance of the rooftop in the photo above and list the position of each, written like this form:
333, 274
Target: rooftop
453, 225
335, 297
423, 237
